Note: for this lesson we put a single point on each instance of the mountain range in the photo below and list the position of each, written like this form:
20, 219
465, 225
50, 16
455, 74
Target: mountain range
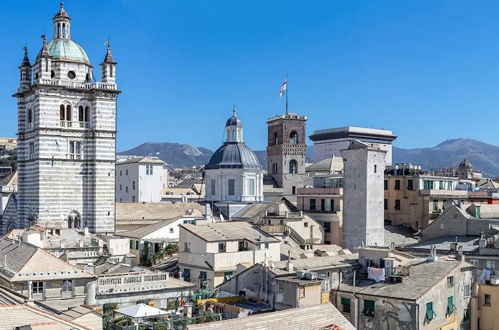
483, 156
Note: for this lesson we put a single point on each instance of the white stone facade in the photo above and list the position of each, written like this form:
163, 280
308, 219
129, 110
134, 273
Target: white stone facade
363, 196
140, 180
67, 132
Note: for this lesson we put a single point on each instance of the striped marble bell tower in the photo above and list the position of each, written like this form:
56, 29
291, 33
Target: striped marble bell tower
66, 132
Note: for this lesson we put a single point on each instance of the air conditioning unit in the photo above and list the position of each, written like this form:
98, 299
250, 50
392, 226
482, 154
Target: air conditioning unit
494, 280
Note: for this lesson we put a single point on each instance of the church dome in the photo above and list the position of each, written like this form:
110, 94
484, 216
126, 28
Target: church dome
234, 155
234, 121
67, 50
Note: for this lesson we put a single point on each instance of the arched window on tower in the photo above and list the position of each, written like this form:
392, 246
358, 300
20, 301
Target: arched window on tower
65, 115
293, 166
68, 115
276, 138
274, 168
293, 137
83, 116
30, 118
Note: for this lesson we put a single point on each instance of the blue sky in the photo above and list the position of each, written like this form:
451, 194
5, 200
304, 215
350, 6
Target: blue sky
427, 69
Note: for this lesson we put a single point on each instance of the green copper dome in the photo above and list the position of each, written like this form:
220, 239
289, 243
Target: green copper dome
67, 50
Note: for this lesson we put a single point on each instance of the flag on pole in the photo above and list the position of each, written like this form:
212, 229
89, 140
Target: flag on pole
283, 89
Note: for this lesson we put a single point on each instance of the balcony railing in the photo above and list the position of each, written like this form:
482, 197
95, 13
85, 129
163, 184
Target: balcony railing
114, 284
66, 123
74, 156
79, 85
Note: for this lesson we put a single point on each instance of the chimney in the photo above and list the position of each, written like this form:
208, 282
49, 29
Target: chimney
289, 264
460, 253
392, 246
86, 232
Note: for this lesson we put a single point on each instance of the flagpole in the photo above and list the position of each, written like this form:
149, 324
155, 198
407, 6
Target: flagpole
286, 93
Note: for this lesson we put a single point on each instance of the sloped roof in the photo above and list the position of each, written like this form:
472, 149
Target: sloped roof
156, 211
229, 231
331, 165
303, 318
146, 230
23, 258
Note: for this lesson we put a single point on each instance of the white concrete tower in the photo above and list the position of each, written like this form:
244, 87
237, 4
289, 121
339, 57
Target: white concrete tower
66, 131
363, 195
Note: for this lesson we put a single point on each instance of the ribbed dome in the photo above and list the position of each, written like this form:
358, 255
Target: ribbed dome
234, 121
234, 155
67, 50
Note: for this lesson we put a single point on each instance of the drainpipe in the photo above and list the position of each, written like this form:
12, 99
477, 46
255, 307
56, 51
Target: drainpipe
356, 303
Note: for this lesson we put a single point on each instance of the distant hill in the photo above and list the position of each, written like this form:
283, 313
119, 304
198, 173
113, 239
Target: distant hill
174, 154
483, 156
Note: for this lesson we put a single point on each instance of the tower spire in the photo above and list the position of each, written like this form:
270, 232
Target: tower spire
62, 26
25, 62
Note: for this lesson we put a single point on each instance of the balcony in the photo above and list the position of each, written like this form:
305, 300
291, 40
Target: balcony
138, 282
74, 156
77, 85
66, 123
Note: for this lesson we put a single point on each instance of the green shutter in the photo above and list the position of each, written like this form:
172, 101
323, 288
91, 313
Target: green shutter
450, 305
430, 314
345, 301
368, 308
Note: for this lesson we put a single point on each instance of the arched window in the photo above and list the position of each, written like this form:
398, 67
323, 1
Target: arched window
30, 116
293, 137
63, 113
293, 166
276, 138
87, 114
274, 168
68, 113
81, 113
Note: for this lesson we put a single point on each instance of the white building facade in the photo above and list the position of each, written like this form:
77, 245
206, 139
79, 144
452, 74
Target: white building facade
234, 173
67, 132
330, 142
140, 180
363, 196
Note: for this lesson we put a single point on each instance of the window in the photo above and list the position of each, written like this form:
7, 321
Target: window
31, 150
397, 184
386, 184
187, 247
171, 303
280, 288
323, 205
327, 227
305, 224
276, 139
368, 308
67, 286
126, 172
450, 281
466, 291
37, 287
490, 264
466, 314
126, 188
410, 184
430, 314
375, 168
121, 187
30, 118
243, 246
232, 187
301, 291
397, 204
133, 198
313, 204
486, 300
121, 172
186, 274
386, 204
293, 166
133, 185
441, 185
222, 247
428, 185
212, 187
274, 168
71, 74
293, 137
435, 205
250, 186
345, 303
450, 305
293, 190
228, 275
